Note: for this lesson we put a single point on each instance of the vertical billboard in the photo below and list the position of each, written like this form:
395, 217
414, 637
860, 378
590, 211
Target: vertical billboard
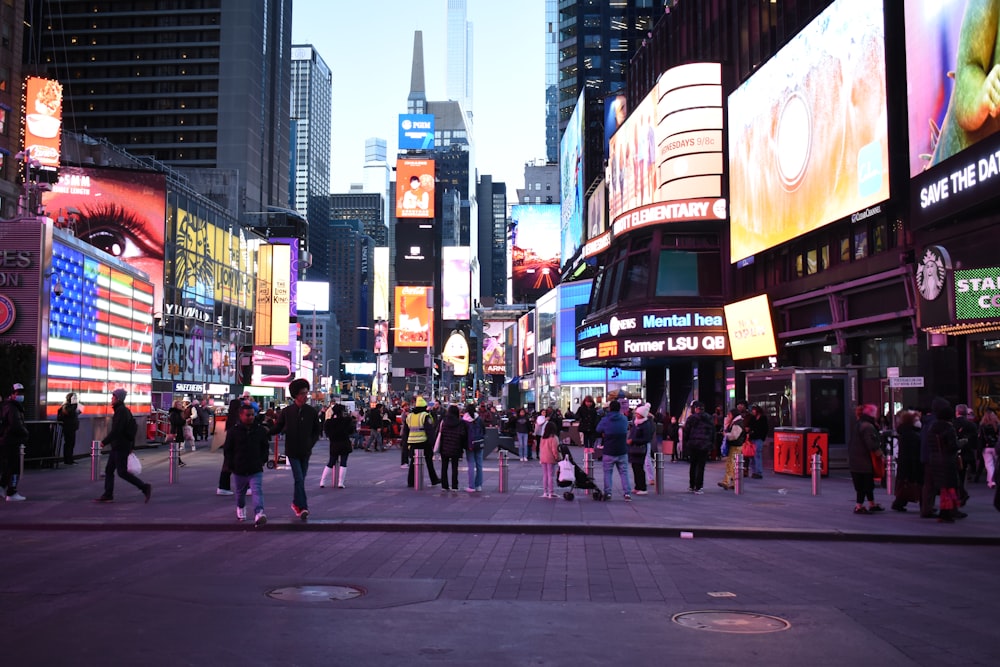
380, 298
271, 318
953, 105
415, 256
43, 120
121, 212
750, 328
526, 344
381, 337
456, 279
571, 181
808, 132
414, 317
416, 131
211, 265
414, 188
494, 349
455, 354
534, 250
615, 111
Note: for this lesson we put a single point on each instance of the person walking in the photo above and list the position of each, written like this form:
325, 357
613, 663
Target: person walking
299, 421
13, 434
943, 463
121, 438
861, 448
452, 442
522, 427
474, 453
338, 428
639, 438
989, 433
548, 456
613, 428
735, 435
245, 451
68, 417
909, 470
699, 439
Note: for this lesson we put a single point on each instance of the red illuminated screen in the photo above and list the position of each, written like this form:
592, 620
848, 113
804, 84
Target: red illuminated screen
415, 188
414, 317
808, 132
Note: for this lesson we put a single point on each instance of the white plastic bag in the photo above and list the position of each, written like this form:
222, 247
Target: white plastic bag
566, 473
134, 465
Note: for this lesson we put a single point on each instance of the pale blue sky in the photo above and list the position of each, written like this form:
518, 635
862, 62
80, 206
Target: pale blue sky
368, 45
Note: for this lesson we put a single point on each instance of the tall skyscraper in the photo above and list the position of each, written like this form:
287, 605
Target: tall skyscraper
459, 81
552, 81
312, 106
350, 269
367, 207
10, 105
377, 174
191, 83
492, 249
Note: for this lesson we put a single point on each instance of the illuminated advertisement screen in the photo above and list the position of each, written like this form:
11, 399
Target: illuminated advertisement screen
416, 131
272, 311
456, 277
977, 294
272, 367
381, 337
494, 349
211, 265
597, 215
100, 335
666, 160
293, 273
953, 128
751, 331
456, 353
415, 257
313, 295
414, 317
808, 132
534, 252
43, 120
122, 212
380, 289
571, 182
526, 344
615, 111
414, 188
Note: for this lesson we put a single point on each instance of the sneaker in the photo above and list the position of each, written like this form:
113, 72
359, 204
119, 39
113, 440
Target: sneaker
223, 492
295, 508
628, 497
103, 499
690, 489
699, 492
304, 514
756, 476
148, 492
469, 489
642, 493
241, 514
479, 489
260, 519
17, 497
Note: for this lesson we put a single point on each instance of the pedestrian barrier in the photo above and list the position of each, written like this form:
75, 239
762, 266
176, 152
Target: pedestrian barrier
502, 479
660, 463
174, 457
817, 470
738, 471
588, 462
95, 460
418, 468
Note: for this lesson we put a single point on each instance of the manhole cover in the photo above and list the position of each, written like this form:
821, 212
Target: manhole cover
737, 622
316, 593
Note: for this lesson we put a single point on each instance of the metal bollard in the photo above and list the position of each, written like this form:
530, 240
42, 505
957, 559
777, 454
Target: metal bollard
660, 465
173, 456
588, 461
21, 464
503, 482
418, 469
738, 472
95, 460
890, 473
817, 471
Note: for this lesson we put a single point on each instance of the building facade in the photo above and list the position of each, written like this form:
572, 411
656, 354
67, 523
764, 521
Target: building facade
312, 108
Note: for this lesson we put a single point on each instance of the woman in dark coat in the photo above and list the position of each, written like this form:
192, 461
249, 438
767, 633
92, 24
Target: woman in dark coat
910, 471
175, 416
863, 445
942, 462
69, 418
339, 430
453, 440
587, 416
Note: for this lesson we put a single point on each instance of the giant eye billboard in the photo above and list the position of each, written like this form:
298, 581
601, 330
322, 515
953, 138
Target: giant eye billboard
808, 132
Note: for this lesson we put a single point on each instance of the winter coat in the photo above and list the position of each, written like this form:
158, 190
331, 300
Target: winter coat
614, 430
640, 435
69, 417
121, 436
454, 437
908, 459
699, 432
301, 429
943, 452
548, 450
522, 424
245, 450
587, 416
176, 419
13, 431
339, 431
864, 440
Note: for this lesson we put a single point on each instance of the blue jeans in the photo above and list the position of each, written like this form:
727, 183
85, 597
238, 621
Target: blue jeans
299, 468
244, 482
620, 462
522, 445
757, 462
475, 461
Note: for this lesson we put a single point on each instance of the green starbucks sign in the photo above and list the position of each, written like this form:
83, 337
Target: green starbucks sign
977, 294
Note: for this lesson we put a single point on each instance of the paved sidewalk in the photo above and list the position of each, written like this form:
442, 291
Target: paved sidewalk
377, 499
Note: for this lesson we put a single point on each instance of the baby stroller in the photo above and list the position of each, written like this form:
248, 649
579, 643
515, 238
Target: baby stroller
575, 477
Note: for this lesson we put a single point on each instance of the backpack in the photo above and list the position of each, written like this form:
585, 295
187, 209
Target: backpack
476, 433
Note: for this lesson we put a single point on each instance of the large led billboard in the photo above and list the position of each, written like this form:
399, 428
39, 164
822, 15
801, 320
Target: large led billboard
122, 212
534, 251
100, 333
42, 120
808, 132
571, 181
380, 290
456, 281
526, 344
953, 118
665, 162
271, 316
415, 257
313, 295
211, 265
414, 317
414, 188
494, 349
750, 329
416, 131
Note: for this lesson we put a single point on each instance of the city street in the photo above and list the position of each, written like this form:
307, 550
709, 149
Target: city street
490, 578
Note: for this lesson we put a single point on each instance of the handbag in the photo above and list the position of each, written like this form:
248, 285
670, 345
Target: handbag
878, 465
133, 464
749, 449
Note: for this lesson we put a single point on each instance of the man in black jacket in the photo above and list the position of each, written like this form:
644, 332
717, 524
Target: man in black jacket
300, 424
245, 452
699, 438
13, 434
121, 437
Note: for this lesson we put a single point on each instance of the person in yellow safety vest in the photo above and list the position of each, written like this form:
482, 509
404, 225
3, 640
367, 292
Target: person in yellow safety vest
418, 433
